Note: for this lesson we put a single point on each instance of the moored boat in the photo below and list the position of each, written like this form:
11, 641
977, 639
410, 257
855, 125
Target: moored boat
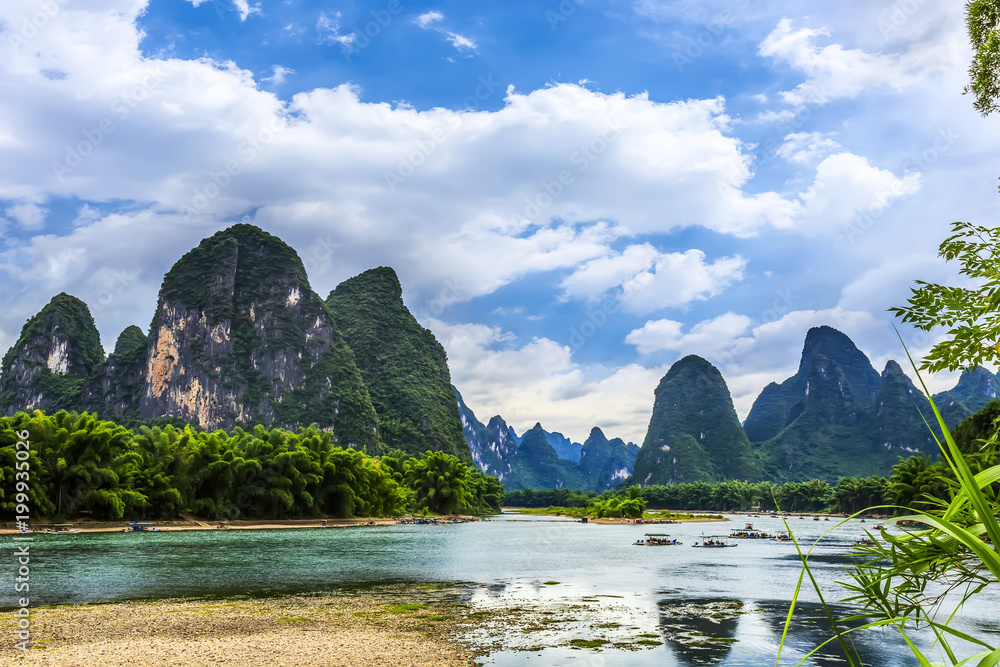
658, 540
713, 541
141, 527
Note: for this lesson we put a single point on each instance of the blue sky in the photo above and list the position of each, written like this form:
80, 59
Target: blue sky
574, 194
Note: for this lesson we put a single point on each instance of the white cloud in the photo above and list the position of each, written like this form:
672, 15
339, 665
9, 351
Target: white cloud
461, 42
430, 20
833, 72
806, 147
538, 381
329, 30
847, 185
246, 9
28, 215
425, 20
715, 335
278, 75
645, 279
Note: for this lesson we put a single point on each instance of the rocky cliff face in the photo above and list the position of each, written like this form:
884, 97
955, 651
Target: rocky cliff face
115, 390
239, 337
837, 416
48, 366
492, 446
606, 463
403, 364
898, 413
694, 433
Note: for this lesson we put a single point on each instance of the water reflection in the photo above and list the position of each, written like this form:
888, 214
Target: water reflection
700, 632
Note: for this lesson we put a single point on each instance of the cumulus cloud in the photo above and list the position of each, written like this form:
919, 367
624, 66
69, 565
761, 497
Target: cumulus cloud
834, 72
645, 279
846, 186
539, 381
806, 147
278, 75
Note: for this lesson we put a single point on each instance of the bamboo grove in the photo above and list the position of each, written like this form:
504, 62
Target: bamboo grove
78, 465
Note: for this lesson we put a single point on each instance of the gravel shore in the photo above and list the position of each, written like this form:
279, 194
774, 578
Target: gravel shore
393, 625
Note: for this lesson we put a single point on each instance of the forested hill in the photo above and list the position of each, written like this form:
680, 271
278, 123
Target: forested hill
403, 365
239, 338
835, 417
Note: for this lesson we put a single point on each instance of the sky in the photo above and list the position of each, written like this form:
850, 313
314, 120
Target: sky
574, 193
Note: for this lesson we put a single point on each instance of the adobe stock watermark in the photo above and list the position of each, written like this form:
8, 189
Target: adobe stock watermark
894, 18
121, 108
246, 152
408, 163
562, 12
708, 36
115, 282
32, 25
318, 258
361, 38
22, 543
580, 159
915, 164
450, 293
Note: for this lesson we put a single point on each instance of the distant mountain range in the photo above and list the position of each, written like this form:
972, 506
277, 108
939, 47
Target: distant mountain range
540, 459
238, 338
837, 416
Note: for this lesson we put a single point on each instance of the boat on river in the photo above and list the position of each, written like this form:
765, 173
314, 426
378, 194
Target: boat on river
714, 542
658, 540
62, 529
782, 537
53, 529
749, 533
141, 527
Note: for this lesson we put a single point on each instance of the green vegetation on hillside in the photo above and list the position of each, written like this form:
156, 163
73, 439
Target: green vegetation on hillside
64, 318
403, 365
79, 465
694, 433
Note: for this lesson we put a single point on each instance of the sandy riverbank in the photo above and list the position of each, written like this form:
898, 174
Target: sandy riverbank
653, 522
410, 625
195, 524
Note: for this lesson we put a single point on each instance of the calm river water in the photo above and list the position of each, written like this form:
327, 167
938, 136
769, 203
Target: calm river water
737, 597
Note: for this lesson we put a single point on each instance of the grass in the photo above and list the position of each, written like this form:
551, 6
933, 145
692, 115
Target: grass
404, 608
551, 583
890, 589
588, 643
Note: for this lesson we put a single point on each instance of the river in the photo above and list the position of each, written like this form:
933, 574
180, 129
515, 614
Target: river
706, 606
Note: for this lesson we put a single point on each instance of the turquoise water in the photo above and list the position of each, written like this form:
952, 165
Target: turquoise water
661, 590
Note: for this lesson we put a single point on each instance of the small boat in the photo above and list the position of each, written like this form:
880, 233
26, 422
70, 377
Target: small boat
658, 540
749, 533
711, 542
782, 537
878, 527
815, 518
61, 529
866, 542
141, 527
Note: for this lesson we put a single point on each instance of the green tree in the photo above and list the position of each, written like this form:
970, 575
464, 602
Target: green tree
982, 18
